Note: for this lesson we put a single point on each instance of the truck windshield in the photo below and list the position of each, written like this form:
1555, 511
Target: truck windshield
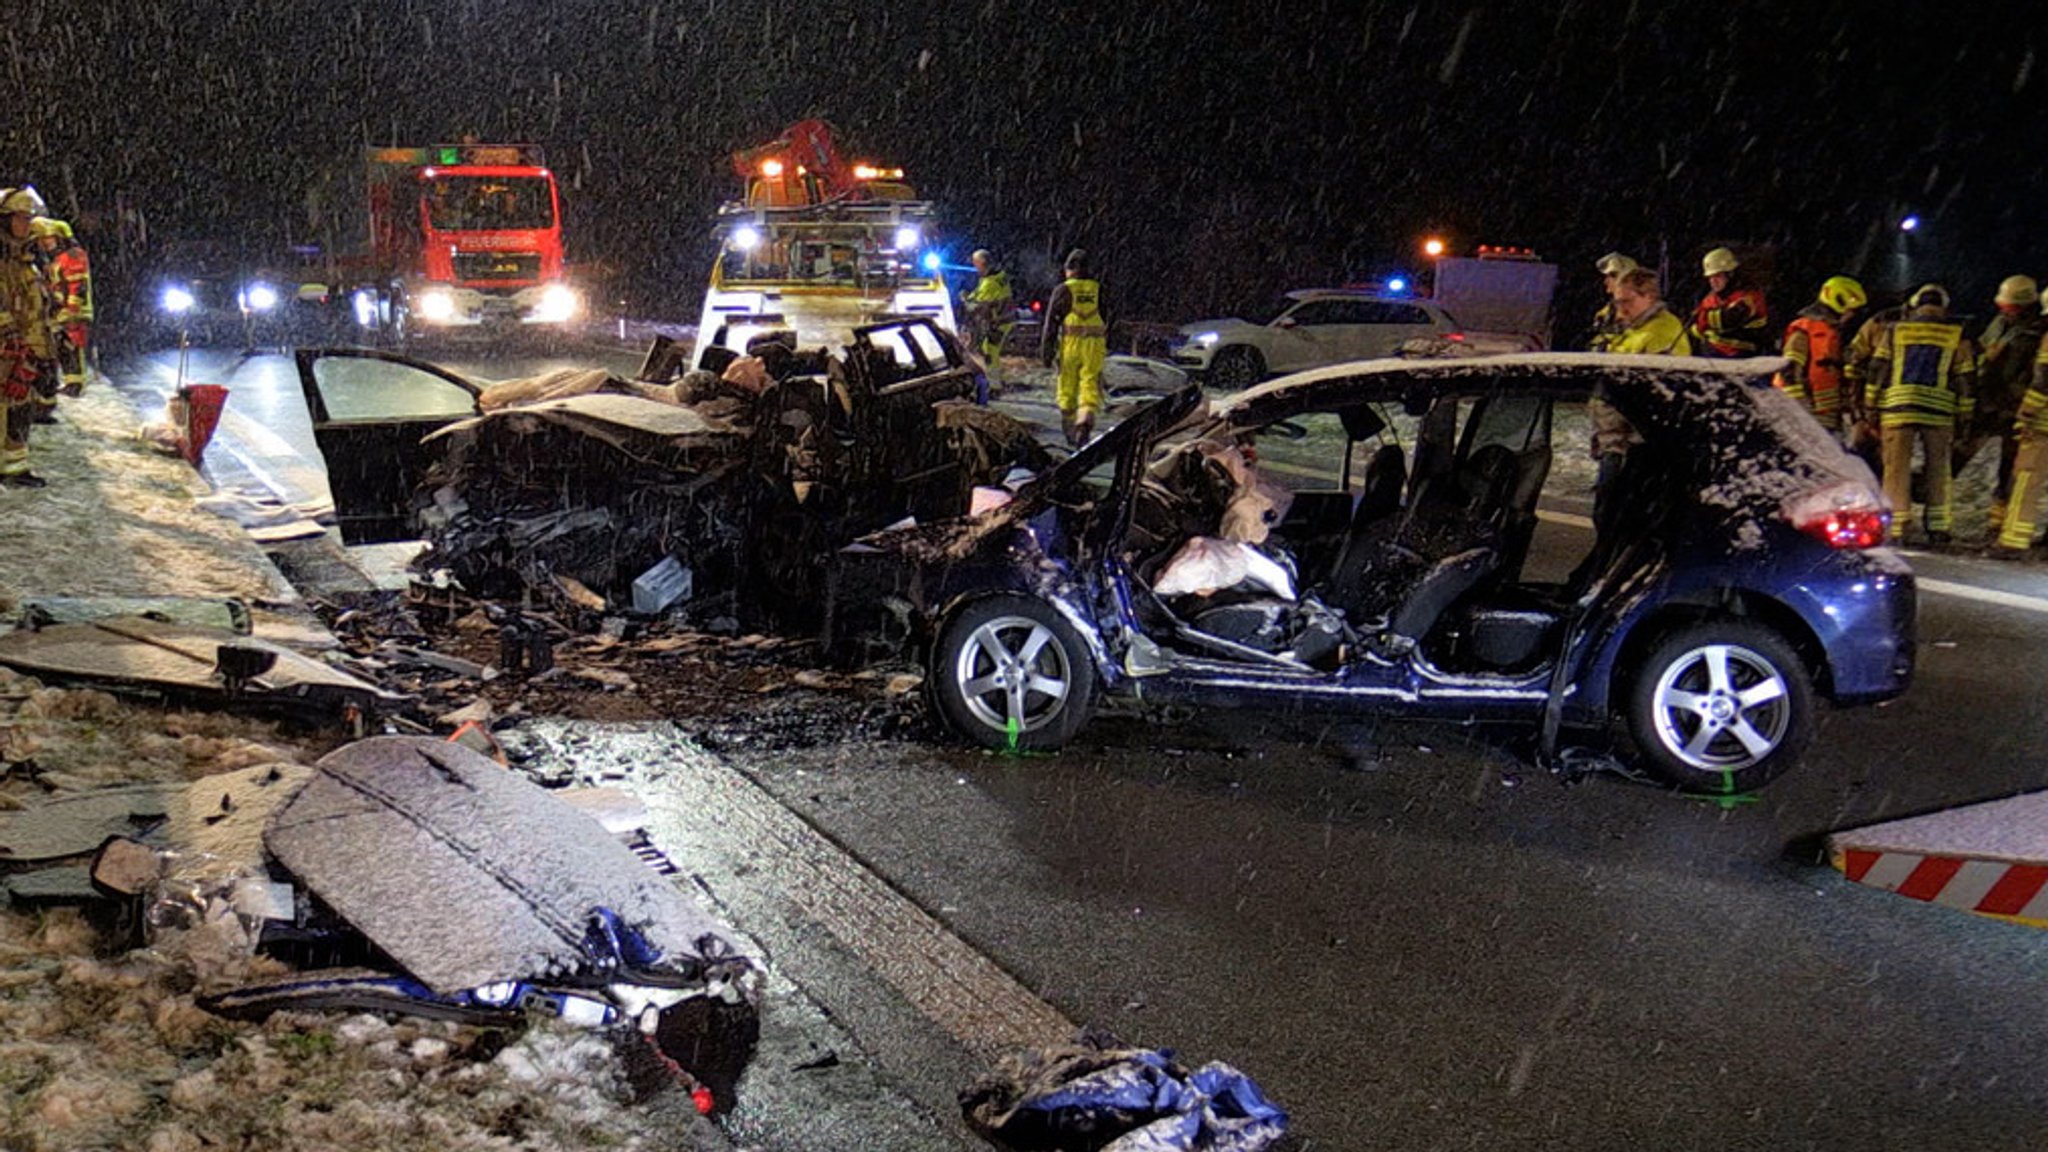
852, 256
484, 203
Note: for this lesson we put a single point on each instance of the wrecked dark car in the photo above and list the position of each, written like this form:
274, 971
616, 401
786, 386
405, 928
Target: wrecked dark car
727, 488
1737, 572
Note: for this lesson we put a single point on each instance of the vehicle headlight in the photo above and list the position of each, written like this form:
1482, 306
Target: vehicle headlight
1208, 339
177, 301
558, 302
437, 306
908, 238
259, 297
746, 238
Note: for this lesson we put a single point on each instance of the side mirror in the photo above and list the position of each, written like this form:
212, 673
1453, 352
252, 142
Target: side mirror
1286, 322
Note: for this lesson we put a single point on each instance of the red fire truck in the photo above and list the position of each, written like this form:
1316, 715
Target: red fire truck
462, 236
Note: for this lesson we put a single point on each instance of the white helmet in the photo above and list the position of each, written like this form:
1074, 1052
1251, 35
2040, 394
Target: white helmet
1615, 264
1720, 262
24, 200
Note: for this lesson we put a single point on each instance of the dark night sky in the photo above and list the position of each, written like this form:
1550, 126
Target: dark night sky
1208, 153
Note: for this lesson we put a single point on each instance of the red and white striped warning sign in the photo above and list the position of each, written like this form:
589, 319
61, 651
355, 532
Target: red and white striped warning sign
1990, 887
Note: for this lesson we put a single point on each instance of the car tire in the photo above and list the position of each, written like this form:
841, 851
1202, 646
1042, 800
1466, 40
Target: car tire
1236, 367
1722, 707
1010, 672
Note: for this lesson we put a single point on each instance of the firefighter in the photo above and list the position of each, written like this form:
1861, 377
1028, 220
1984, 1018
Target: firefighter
1922, 378
989, 314
2005, 366
1076, 333
69, 277
2030, 467
1813, 344
27, 353
1648, 329
1733, 319
1607, 325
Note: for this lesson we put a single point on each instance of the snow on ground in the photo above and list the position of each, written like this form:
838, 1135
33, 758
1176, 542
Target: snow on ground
118, 519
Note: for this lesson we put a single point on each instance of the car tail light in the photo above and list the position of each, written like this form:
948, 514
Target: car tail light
1457, 337
1846, 515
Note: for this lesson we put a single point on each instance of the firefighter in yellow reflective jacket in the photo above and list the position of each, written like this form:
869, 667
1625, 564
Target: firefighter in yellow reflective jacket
27, 364
989, 313
1076, 333
69, 275
2030, 466
1920, 388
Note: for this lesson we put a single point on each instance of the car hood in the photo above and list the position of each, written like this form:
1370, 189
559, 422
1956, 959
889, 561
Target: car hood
1226, 324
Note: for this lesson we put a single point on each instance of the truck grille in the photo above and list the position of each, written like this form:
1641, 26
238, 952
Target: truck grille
497, 266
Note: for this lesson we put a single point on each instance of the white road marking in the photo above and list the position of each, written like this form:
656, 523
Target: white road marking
1985, 595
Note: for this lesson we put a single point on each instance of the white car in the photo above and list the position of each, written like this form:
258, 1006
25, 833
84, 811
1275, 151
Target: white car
1313, 327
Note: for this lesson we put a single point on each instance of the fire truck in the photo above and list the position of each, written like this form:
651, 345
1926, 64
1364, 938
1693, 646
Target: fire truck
816, 248
462, 237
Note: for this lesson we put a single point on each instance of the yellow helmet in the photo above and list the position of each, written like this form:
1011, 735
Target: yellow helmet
1720, 262
1929, 296
1843, 294
43, 226
2017, 290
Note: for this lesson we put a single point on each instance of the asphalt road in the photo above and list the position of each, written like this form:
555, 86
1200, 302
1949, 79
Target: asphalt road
1411, 940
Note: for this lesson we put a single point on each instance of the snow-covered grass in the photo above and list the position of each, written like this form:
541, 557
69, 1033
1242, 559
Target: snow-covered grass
110, 1051
118, 518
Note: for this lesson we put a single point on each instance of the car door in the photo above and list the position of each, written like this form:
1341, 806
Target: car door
370, 410
1388, 324
1307, 336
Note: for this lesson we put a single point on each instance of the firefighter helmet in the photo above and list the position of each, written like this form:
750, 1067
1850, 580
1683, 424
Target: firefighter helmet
1720, 262
2017, 290
44, 226
1615, 264
1843, 294
22, 200
1929, 296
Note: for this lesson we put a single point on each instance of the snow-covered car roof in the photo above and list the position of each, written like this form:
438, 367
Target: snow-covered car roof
1568, 370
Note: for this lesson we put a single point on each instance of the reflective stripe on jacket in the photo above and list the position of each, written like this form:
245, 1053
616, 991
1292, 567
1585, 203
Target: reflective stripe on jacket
1735, 324
70, 286
1922, 374
1084, 317
1813, 343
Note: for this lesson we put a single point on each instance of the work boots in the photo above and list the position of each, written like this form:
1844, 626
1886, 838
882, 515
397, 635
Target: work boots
1079, 427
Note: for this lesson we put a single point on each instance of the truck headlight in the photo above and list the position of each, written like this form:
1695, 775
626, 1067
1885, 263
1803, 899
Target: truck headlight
177, 301
908, 238
259, 297
558, 302
438, 307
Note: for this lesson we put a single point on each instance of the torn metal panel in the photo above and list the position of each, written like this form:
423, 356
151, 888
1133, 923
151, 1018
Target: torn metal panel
221, 815
610, 415
227, 614
466, 874
209, 665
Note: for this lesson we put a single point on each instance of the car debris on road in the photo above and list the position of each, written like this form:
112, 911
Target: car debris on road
1100, 1093
577, 489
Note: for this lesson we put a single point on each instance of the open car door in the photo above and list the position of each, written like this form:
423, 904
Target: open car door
370, 410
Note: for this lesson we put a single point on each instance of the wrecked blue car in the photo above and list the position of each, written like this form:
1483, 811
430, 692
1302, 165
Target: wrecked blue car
1391, 538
